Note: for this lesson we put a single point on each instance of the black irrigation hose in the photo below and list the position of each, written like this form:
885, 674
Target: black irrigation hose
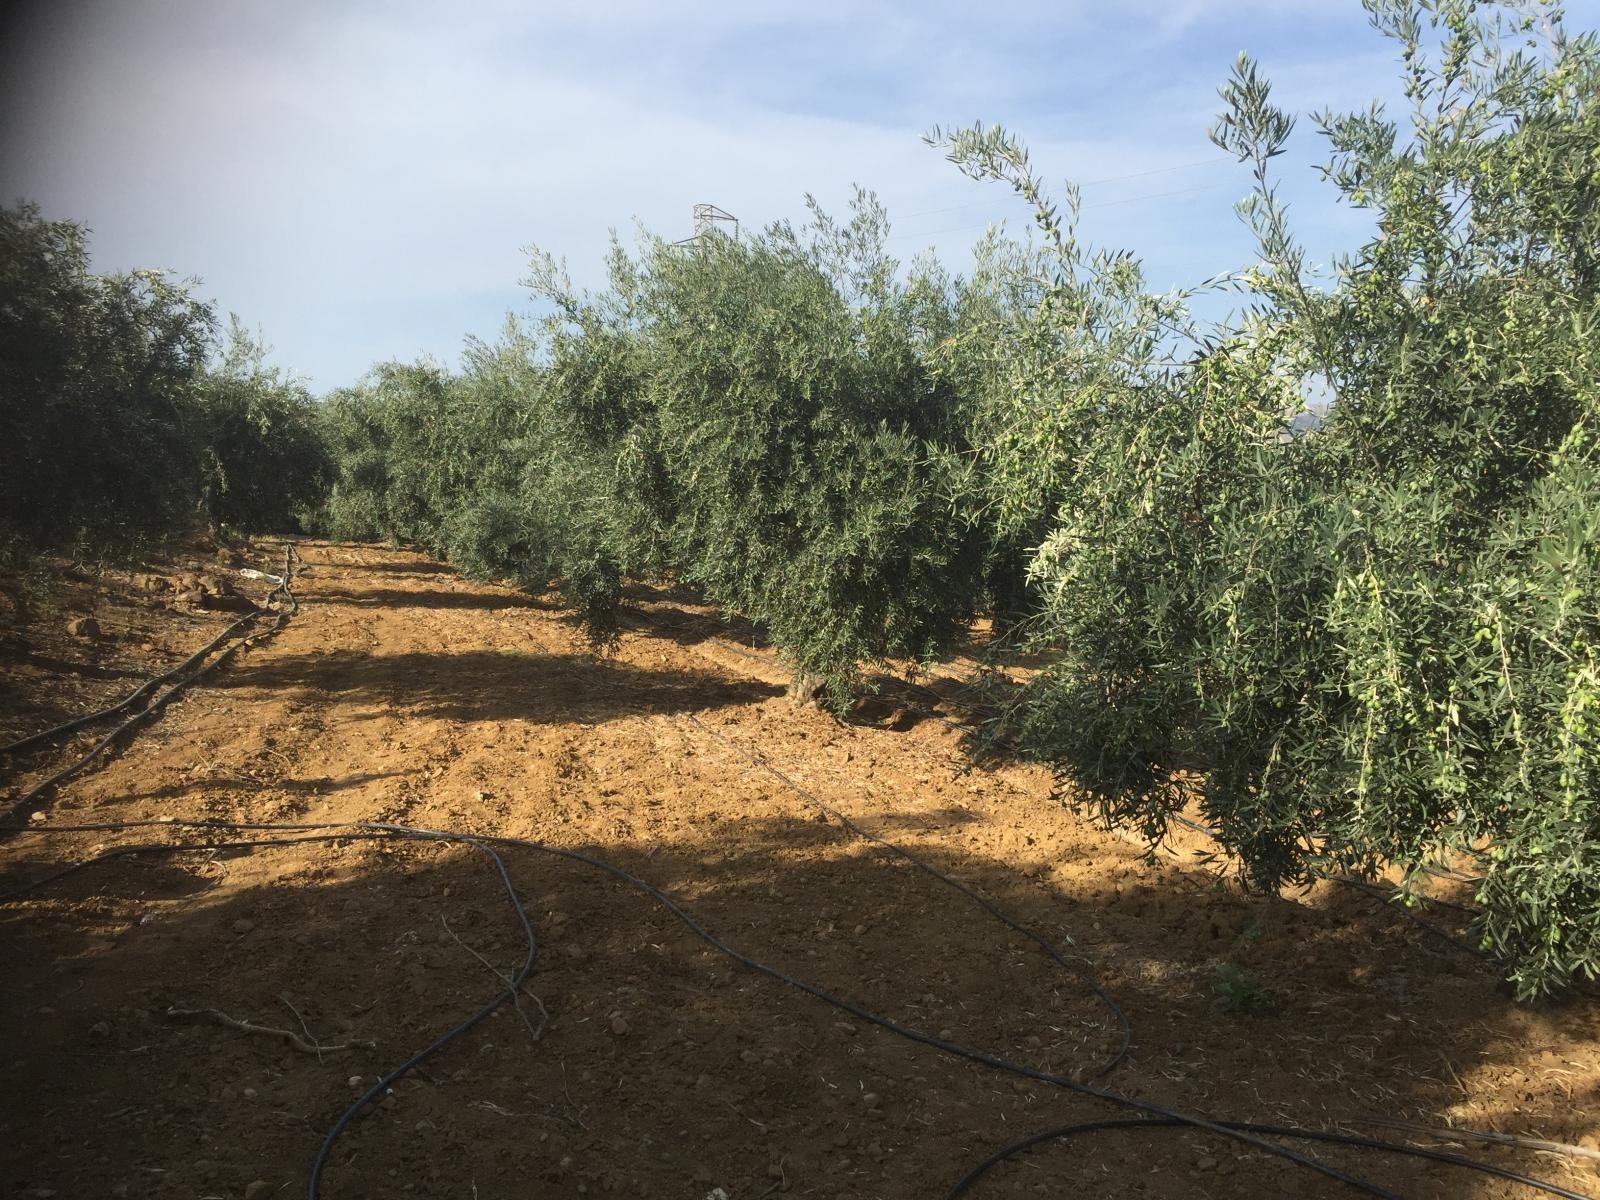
133, 697
1451, 874
377, 1090
371, 831
1440, 901
149, 685
28, 798
157, 703
961, 727
983, 902
1339, 1139
741, 651
117, 852
733, 648
377, 831
513, 986
1385, 895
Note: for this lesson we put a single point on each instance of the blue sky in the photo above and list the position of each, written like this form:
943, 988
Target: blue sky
358, 179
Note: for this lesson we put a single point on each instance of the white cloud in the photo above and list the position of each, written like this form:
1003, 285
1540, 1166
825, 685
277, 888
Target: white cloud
359, 178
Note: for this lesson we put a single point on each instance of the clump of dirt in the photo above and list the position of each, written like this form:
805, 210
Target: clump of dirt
73, 641
193, 1023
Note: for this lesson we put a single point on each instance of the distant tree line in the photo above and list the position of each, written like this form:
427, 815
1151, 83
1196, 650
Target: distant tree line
126, 417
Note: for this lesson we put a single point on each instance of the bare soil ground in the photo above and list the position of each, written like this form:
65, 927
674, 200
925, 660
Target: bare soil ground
404, 693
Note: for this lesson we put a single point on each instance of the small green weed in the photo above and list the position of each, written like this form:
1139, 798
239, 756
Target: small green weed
1237, 992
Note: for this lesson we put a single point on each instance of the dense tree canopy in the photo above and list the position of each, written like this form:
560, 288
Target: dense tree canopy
1376, 642
97, 375
122, 420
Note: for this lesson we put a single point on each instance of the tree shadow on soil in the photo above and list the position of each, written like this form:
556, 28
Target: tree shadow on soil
486, 685
60, 666
317, 785
400, 568
406, 598
649, 1065
688, 628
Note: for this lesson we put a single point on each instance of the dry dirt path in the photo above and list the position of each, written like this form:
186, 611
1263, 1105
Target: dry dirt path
404, 693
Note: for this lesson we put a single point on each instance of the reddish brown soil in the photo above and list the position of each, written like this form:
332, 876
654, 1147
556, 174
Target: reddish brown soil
403, 693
